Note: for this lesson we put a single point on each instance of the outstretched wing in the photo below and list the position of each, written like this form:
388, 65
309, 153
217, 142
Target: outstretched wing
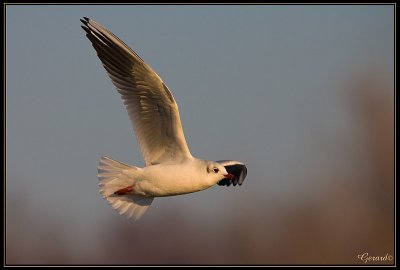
151, 107
236, 168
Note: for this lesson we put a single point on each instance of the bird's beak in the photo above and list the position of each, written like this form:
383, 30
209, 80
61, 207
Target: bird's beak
230, 176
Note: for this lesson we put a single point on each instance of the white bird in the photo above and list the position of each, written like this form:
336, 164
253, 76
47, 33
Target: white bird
170, 167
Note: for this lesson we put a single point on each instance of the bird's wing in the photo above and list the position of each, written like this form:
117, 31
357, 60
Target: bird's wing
236, 168
151, 107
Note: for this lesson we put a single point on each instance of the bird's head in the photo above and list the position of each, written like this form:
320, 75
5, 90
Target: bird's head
217, 172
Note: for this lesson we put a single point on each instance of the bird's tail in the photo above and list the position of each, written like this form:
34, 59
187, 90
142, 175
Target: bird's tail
115, 176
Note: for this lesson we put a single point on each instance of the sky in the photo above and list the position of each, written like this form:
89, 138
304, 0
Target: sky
258, 84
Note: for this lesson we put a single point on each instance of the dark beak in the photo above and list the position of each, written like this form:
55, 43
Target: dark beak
230, 176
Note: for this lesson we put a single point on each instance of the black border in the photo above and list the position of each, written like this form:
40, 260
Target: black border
194, 4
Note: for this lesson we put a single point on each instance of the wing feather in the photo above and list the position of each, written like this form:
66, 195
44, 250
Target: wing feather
151, 107
236, 168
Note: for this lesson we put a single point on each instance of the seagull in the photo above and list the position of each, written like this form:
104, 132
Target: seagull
170, 167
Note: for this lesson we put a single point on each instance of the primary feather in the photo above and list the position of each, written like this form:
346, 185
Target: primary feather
151, 107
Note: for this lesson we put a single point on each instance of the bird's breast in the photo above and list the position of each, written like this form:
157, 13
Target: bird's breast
169, 180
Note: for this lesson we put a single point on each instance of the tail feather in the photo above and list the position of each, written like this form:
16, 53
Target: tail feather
114, 175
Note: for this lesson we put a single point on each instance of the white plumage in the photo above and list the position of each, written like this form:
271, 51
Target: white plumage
170, 167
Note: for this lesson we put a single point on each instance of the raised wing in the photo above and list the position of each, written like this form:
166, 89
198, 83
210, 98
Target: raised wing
151, 107
236, 168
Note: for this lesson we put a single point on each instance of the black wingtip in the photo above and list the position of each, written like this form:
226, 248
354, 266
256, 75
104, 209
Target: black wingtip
238, 169
85, 20
85, 28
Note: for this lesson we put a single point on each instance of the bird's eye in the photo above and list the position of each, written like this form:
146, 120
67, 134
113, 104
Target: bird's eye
215, 170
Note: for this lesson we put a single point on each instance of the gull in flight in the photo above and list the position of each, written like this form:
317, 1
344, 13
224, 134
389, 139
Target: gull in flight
170, 168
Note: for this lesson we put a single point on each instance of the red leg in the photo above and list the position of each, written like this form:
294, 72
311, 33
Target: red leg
123, 191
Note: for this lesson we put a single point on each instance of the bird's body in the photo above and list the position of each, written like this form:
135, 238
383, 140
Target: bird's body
170, 178
170, 167
163, 180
